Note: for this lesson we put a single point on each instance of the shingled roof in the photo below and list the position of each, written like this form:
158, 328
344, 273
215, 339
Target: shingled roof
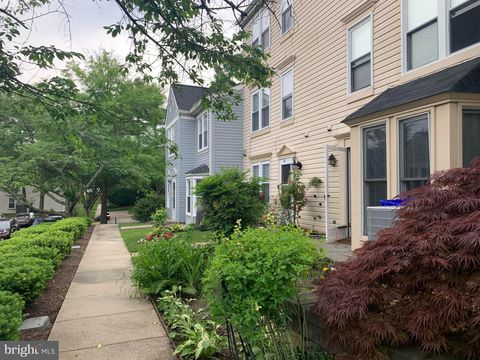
202, 169
187, 95
462, 78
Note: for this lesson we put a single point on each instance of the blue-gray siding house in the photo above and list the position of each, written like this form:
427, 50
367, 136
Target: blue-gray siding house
204, 146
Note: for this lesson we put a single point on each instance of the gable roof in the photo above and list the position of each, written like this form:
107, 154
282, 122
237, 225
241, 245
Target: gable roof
187, 95
463, 78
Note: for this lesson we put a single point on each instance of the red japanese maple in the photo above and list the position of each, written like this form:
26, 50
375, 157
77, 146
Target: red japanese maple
419, 282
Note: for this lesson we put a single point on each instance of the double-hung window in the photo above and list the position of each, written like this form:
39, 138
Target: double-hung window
202, 131
11, 203
287, 94
433, 29
464, 28
261, 109
171, 139
261, 30
262, 171
414, 152
470, 135
287, 15
360, 55
374, 168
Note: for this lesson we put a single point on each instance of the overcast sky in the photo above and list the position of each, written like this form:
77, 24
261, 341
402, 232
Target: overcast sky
83, 32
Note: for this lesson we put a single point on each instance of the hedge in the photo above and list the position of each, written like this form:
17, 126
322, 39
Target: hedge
26, 249
11, 308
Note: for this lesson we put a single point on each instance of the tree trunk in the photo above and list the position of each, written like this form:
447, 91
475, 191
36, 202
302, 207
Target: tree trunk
41, 203
103, 217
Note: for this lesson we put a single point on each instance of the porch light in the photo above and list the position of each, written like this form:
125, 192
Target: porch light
297, 164
332, 160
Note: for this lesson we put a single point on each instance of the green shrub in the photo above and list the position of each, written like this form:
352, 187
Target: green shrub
76, 226
26, 249
58, 239
159, 217
25, 276
251, 276
11, 308
146, 207
228, 197
162, 264
122, 195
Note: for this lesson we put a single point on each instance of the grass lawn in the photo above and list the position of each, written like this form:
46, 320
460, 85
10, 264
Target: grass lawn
131, 237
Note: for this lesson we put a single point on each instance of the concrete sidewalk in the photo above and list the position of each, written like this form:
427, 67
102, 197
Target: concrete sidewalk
102, 316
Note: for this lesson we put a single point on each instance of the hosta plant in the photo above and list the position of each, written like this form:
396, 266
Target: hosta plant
419, 282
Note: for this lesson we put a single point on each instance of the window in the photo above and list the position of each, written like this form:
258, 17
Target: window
414, 152
374, 168
202, 131
422, 32
262, 170
287, 15
464, 28
470, 136
11, 203
287, 95
195, 197
261, 116
189, 196
434, 29
261, 30
170, 138
360, 51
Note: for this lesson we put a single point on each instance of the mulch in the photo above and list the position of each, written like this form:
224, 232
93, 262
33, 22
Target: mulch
50, 302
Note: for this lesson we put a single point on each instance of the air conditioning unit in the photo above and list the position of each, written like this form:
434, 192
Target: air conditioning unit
378, 218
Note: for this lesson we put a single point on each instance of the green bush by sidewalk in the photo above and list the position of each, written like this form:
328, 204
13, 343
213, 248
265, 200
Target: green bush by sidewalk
28, 260
11, 308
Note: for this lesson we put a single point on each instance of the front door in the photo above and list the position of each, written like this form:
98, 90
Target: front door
337, 194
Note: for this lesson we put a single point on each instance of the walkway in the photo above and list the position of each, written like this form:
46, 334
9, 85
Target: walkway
102, 316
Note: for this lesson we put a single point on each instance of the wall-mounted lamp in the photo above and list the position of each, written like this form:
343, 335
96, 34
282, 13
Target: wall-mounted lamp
332, 160
296, 164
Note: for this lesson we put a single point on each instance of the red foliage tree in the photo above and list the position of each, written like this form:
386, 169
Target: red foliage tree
419, 283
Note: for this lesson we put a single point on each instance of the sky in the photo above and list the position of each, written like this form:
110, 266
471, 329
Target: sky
82, 31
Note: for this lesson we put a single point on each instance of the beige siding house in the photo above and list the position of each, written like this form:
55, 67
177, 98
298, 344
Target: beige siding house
370, 96
8, 205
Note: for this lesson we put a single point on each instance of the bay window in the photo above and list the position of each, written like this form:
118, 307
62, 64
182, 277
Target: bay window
287, 95
470, 135
360, 55
374, 168
414, 152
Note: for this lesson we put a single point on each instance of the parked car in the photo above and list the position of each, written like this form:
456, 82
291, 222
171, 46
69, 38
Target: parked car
99, 217
7, 227
24, 219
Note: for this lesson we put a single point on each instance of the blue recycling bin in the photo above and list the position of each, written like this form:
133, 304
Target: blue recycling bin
393, 202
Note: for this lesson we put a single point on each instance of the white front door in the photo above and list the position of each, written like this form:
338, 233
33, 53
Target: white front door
337, 184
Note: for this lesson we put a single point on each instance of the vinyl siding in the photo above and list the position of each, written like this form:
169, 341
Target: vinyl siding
172, 161
227, 142
34, 197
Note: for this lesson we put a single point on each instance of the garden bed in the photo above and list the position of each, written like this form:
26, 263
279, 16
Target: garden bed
50, 302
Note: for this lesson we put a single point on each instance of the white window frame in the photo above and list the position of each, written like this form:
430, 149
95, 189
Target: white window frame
283, 8
282, 96
203, 128
259, 92
170, 132
14, 203
173, 200
261, 175
443, 35
258, 24
188, 196
349, 55
195, 198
